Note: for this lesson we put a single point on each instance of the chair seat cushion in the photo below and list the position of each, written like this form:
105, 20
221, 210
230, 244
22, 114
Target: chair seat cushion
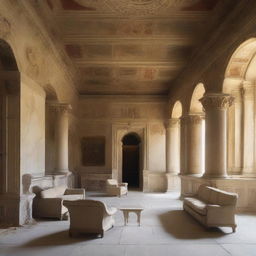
72, 197
196, 204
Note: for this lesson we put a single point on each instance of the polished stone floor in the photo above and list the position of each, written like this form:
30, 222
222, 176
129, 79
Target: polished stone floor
165, 230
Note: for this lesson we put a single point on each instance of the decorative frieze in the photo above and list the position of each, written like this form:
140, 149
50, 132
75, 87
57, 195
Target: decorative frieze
217, 101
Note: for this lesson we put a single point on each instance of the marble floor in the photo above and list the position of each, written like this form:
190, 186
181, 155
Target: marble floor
165, 230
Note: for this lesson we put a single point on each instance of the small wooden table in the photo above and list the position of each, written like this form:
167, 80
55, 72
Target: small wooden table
128, 209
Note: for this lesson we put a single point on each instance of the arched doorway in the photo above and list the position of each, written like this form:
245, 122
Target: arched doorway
131, 160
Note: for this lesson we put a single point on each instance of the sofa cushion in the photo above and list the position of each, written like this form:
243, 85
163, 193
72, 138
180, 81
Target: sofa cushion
204, 193
48, 193
112, 182
196, 204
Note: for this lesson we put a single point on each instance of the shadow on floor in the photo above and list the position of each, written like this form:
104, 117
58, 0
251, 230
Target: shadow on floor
59, 238
183, 226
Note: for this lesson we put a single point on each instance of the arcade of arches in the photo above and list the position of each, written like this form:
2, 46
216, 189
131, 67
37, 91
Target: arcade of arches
150, 103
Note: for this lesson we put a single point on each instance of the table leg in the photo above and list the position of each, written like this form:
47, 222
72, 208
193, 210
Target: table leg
126, 216
138, 217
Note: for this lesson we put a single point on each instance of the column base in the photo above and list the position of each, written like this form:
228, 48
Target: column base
172, 182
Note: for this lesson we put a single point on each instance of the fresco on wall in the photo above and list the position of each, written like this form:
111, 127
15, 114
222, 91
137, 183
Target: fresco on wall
93, 151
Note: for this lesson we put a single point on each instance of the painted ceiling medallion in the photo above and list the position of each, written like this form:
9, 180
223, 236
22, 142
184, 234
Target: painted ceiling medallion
139, 7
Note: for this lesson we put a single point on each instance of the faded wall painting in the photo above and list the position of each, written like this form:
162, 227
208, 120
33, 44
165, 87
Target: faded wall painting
93, 151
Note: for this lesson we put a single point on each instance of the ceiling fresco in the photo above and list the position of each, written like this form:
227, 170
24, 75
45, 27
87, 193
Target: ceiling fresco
130, 47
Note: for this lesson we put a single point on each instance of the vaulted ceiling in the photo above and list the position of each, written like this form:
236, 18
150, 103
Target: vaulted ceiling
131, 47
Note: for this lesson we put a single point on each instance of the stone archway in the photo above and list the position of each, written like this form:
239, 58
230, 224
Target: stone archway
240, 83
118, 132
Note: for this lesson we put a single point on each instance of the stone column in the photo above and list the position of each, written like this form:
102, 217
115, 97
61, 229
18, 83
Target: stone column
235, 134
216, 105
194, 142
61, 137
183, 145
248, 128
173, 146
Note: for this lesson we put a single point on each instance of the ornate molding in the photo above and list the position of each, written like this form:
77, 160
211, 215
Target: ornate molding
217, 101
192, 119
172, 122
60, 107
5, 28
137, 7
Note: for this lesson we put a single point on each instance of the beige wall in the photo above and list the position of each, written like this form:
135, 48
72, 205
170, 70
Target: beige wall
98, 116
32, 128
156, 147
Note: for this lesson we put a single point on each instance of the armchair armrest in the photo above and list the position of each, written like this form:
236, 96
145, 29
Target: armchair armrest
47, 207
220, 214
75, 191
123, 184
111, 210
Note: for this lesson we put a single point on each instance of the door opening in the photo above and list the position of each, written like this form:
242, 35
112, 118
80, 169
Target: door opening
131, 160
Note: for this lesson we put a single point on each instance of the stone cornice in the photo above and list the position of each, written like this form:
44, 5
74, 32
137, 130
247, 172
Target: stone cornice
176, 15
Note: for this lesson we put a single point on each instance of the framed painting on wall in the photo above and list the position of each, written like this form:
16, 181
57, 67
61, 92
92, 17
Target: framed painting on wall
93, 151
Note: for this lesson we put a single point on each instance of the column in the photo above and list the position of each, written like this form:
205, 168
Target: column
192, 144
173, 146
216, 106
235, 134
248, 128
61, 137
183, 145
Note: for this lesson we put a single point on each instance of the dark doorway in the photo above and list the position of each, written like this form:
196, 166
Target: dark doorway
131, 160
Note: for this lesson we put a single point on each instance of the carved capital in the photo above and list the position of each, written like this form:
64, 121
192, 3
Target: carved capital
192, 119
172, 122
5, 27
213, 101
60, 107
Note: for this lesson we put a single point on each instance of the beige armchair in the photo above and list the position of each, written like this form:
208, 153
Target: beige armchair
89, 216
113, 188
49, 202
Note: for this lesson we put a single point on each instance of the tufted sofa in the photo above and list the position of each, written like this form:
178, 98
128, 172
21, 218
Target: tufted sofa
49, 202
212, 207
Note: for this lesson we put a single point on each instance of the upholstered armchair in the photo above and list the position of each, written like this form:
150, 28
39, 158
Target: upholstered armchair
113, 188
89, 216
49, 202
